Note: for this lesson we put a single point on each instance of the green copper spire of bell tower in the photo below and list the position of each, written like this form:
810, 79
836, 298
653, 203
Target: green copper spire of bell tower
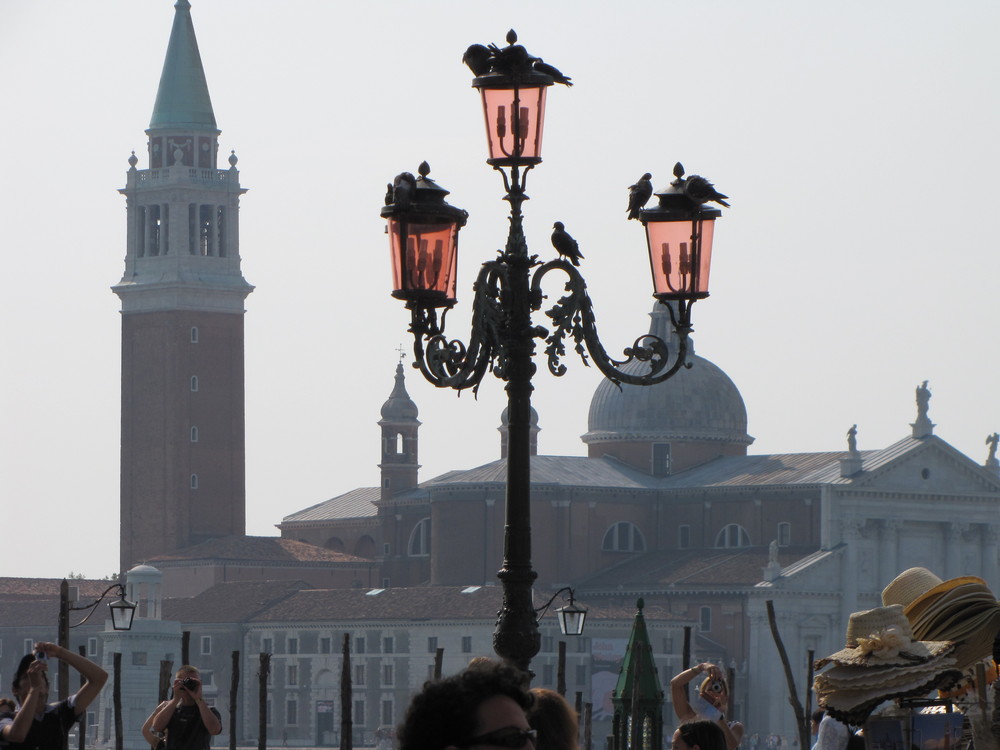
638, 699
182, 100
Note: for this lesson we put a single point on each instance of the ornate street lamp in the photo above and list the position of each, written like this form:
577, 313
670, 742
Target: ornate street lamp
423, 231
122, 613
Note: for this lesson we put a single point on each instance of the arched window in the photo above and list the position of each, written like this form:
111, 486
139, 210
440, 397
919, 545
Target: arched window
420, 539
194, 481
194, 434
623, 536
194, 383
705, 620
732, 535
784, 534
194, 334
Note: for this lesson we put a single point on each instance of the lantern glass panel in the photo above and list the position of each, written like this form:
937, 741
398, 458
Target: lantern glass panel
122, 612
429, 261
514, 123
571, 620
677, 274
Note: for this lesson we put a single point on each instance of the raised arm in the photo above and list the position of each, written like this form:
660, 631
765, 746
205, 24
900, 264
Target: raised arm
16, 730
94, 676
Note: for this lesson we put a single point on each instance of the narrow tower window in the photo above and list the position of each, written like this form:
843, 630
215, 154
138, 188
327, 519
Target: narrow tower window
194, 434
194, 481
194, 383
194, 334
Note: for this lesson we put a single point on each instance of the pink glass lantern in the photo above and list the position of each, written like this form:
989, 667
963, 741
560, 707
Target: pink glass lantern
514, 108
679, 233
423, 241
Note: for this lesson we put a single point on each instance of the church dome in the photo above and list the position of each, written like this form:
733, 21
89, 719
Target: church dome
399, 405
697, 404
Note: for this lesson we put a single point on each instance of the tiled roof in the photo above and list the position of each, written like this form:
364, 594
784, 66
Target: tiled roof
702, 569
359, 503
230, 602
31, 587
257, 549
572, 471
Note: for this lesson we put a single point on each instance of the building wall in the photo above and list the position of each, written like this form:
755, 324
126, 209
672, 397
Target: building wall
161, 508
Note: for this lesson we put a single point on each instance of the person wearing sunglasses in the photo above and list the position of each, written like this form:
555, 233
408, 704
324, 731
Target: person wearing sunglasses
710, 703
483, 706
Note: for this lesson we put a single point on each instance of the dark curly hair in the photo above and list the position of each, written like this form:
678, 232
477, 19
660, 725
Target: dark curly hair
443, 713
707, 735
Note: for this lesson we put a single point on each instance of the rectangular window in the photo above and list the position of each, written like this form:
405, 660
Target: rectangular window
683, 536
548, 677
293, 645
138, 658
325, 645
359, 645
28, 645
267, 645
293, 675
466, 644
91, 647
388, 676
668, 645
432, 645
387, 712
206, 678
359, 674
388, 645
206, 645
359, 713
581, 674
784, 534
661, 459
292, 712
546, 643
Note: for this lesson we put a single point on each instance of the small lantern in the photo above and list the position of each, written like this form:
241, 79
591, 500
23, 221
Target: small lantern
423, 240
122, 612
679, 233
571, 617
514, 108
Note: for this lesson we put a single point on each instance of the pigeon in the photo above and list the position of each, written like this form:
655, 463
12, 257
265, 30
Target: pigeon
512, 59
566, 245
477, 57
639, 194
700, 190
403, 189
540, 66
390, 197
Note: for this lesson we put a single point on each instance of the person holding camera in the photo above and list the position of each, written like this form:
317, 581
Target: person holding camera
38, 724
709, 704
189, 722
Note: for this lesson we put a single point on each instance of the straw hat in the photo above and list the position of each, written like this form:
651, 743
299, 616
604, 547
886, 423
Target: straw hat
961, 609
882, 661
882, 637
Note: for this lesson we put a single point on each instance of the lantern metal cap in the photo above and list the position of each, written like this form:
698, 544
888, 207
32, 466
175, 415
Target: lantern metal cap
683, 198
420, 196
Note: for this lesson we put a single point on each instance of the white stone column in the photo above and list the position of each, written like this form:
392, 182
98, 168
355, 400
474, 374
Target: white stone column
889, 551
850, 534
953, 549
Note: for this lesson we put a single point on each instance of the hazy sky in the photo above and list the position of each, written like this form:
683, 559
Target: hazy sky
858, 142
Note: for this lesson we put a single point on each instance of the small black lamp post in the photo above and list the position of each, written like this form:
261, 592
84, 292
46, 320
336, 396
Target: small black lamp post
423, 231
122, 613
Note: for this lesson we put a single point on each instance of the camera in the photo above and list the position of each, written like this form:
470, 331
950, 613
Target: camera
717, 686
41, 656
190, 683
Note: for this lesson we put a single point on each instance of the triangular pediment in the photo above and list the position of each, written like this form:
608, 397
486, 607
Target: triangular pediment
926, 466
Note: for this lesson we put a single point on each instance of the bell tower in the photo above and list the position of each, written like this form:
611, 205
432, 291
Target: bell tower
399, 425
182, 297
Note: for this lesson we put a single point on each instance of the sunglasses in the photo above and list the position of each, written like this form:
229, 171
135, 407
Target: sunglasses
508, 737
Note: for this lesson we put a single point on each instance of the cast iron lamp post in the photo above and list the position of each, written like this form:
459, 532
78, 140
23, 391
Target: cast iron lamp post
122, 613
423, 236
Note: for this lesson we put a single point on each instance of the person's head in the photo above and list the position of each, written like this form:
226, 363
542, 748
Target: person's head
698, 735
815, 719
480, 708
7, 706
554, 719
715, 691
21, 683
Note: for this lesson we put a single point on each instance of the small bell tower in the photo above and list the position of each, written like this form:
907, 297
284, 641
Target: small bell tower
399, 425
182, 297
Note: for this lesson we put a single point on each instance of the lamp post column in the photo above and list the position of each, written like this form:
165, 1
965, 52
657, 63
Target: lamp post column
516, 638
63, 638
